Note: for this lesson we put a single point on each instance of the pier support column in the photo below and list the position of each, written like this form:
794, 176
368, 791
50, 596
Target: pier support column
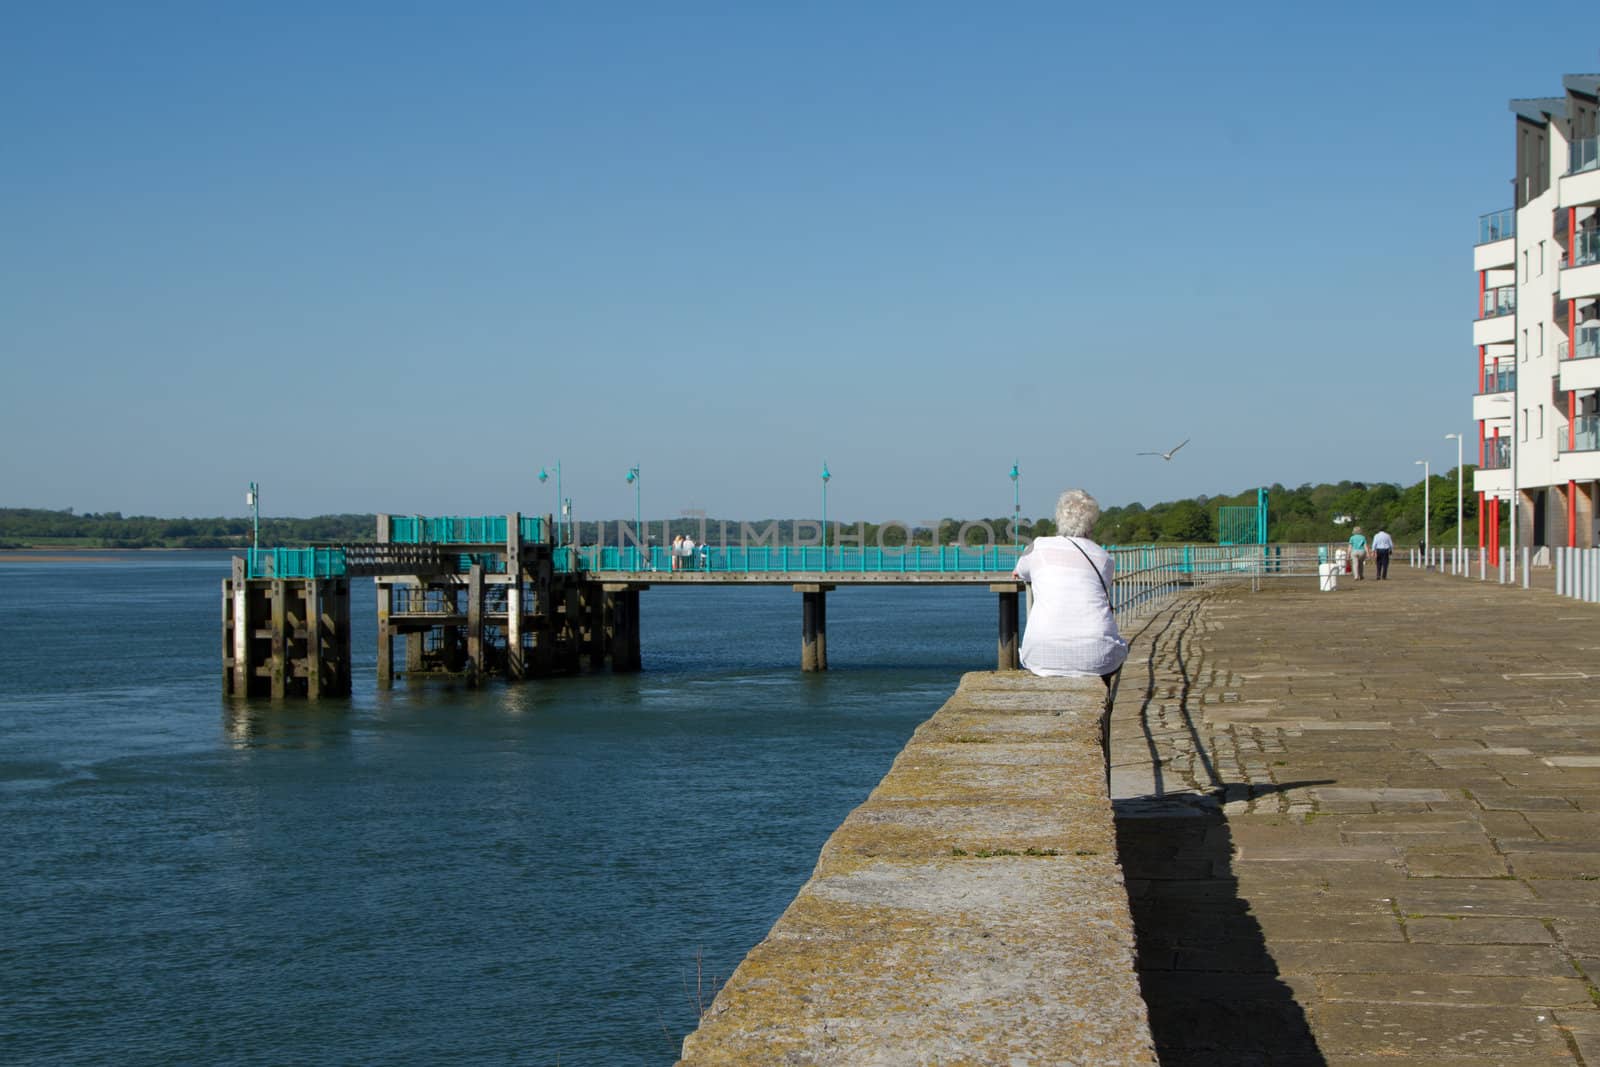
1009, 656
238, 621
813, 626
279, 664
475, 620
386, 635
625, 650
514, 662
316, 655
594, 602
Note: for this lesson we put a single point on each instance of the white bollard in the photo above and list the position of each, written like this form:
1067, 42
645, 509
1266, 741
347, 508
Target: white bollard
1526, 551
1561, 577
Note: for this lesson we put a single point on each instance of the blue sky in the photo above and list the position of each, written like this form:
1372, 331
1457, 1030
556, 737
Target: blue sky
399, 257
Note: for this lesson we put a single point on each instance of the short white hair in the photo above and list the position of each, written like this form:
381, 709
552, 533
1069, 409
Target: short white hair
1076, 513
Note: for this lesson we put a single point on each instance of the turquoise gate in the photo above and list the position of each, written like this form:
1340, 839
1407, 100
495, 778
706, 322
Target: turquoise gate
1242, 524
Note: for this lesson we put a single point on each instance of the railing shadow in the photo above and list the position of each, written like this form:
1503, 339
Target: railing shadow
1210, 984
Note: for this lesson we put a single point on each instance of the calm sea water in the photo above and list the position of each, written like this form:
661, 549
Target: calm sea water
521, 873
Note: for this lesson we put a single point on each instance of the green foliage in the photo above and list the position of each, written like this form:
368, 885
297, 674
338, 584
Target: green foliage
37, 526
1305, 514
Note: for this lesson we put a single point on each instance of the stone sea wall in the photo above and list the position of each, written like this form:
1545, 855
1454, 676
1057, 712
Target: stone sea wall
972, 910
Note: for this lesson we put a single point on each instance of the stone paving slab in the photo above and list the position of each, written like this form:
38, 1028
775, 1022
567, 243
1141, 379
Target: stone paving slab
1363, 827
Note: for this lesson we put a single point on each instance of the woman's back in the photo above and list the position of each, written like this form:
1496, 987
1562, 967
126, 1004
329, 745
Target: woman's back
1071, 629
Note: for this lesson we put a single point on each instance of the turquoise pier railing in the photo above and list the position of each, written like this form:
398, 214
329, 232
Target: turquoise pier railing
294, 563
807, 559
460, 529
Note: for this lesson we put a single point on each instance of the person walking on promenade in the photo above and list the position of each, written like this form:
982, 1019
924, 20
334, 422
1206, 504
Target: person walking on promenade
1358, 552
1382, 546
1071, 630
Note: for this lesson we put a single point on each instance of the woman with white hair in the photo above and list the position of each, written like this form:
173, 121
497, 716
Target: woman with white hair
1071, 630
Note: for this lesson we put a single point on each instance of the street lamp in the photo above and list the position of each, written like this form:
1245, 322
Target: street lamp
253, 498
634, 480
1016, 503
1458, 496
544, 476
1427, 540
825, 477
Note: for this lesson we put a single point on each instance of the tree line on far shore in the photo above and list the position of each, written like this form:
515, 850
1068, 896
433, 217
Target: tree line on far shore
1306, 514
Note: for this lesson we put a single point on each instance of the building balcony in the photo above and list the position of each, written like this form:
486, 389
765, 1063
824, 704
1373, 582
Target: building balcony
1579, 460
1581, 184
1580, 274
1495, 325
1580, 368
1492, 481
1497, 302
1496, 454
1497, 226
1583, 155
1585, 435
1495, 400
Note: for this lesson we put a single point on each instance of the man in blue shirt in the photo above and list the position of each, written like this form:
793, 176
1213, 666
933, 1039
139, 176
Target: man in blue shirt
1382, 545
1358, 552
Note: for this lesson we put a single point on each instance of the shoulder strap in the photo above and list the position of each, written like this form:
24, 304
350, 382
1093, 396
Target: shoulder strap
1074, 543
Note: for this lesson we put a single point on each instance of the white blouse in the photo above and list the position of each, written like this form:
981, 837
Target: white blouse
1070, 630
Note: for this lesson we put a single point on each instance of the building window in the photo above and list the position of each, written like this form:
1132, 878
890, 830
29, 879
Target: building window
1541, 267
1524, 424
1541, 339
1524, 264
1524, 346
1541, 422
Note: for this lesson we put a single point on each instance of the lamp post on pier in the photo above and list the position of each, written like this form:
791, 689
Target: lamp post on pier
1459, 487
634, 480
1427, 540
1016, 503
544, 476
253, 498
825, 477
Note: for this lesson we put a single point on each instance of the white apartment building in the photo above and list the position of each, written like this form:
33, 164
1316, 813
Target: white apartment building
1538, 330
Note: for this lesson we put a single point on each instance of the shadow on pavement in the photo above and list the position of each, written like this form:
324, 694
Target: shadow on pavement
1212, 988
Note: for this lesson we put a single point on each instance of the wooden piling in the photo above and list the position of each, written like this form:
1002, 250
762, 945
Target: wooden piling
1008, 653
813, 626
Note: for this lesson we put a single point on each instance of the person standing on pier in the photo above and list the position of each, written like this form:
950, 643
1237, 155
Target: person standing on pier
688, 553
1358, 552
1071, 630
1382, 546
677, 551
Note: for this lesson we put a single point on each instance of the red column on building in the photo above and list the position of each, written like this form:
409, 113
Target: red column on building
1572, 513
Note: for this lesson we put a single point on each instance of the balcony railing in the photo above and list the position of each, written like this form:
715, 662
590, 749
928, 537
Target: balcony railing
1585, 248
1583, 155
1499, 381
1588, 346
1497, 226
1497, 302
1585, 435
1496, 453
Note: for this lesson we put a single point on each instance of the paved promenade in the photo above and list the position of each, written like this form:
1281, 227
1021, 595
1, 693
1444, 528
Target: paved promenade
1364, 826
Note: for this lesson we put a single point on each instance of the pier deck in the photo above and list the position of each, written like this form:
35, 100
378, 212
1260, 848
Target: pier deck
1364, 826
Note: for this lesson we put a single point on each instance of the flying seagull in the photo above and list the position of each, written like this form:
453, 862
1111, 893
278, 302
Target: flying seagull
1169, 453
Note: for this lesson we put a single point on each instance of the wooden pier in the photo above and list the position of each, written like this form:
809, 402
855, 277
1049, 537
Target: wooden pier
284, 637
496, 596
